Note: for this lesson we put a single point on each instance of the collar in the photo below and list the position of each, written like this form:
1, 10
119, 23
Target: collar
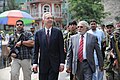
49, 30
83, 35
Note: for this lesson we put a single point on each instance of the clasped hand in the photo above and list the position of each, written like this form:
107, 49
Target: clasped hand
18, 44
61, 68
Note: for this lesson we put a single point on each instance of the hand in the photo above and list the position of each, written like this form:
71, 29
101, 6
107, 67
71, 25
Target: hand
65, 50
18, 44
61, 68
115, 63
35, 69
13, 55
68, 70
112, 55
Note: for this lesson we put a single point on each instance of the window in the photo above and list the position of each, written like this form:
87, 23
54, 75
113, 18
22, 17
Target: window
57, 10
34, 10
46, 8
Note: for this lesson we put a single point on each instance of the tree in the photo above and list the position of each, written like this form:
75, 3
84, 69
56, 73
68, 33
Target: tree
9, 5
117, 18
86, 9
12, 5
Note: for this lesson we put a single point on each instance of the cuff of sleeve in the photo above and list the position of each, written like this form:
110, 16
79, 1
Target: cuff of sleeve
34, 65
62, 64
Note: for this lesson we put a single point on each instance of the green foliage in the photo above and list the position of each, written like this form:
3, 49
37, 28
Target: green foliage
86, 9
11, 32
117, 18
12, 5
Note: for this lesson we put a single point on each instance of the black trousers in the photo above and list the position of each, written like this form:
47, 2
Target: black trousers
71, 76
51, 75
48, 76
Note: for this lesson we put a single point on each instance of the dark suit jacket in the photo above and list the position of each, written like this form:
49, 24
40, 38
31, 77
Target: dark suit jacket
50, 55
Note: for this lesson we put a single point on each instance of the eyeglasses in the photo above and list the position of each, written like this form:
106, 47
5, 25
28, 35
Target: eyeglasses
80, 26
19, 24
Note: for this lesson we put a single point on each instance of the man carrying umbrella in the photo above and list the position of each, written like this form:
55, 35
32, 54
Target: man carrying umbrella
21, 44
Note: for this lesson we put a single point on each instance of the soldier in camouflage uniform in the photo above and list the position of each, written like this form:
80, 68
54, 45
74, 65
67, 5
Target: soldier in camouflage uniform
72, 31
65, 33
115, 54
109, 31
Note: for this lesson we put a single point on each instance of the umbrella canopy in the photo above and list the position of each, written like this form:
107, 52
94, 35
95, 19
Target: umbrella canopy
10, 17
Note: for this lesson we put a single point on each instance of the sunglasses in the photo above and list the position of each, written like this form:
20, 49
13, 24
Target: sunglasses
80, 26
19, 24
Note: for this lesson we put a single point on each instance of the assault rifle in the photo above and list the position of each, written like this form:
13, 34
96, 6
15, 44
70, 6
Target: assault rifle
14, 49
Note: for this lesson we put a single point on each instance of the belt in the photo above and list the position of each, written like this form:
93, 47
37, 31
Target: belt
84, 60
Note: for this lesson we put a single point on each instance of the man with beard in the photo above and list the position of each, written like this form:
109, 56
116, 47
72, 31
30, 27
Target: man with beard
81, 53
21, 44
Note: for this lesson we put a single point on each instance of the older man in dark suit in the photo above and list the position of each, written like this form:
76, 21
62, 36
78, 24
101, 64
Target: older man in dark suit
49, 41
81, 53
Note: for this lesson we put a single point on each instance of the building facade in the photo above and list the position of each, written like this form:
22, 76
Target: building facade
39, 7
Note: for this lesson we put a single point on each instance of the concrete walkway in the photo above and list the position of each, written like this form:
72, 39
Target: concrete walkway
5, 75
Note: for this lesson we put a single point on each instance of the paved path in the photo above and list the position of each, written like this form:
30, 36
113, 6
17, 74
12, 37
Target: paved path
5, 75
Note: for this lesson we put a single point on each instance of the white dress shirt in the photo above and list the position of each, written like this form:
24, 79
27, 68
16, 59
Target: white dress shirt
49, 30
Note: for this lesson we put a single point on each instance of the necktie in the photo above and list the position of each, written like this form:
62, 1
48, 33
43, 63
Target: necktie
80, 51
48, 36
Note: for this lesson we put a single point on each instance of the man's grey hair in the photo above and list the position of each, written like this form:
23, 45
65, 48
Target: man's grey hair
84, 23
43, 17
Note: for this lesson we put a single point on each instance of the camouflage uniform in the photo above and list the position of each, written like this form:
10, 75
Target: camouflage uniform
66, 45
113, 71
108, 60
72, 30
67, 38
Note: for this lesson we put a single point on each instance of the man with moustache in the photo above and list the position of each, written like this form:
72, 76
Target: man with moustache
49, 42
81, 53
22, 52
98, 75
